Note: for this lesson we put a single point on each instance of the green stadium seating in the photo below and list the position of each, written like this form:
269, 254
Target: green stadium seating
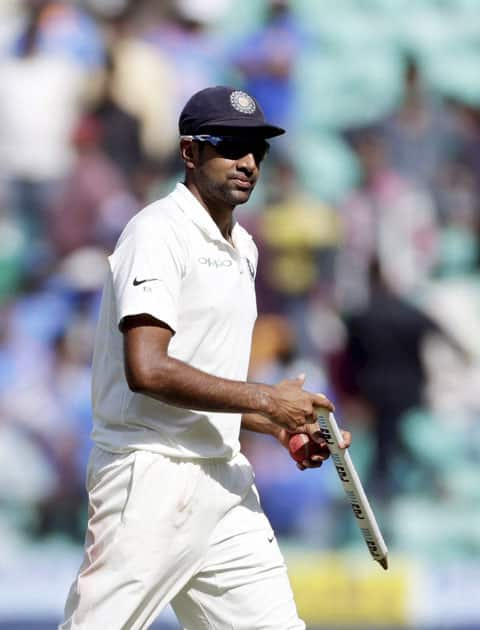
327, 168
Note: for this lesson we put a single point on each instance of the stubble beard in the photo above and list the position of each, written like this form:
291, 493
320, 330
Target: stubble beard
226, 193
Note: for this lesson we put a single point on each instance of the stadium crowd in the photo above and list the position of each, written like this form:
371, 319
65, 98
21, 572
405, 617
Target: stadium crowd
367, 221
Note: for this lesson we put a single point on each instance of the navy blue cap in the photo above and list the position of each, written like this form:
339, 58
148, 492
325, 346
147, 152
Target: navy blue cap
225, 110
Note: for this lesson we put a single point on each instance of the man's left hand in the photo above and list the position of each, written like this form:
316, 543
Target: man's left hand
312, 430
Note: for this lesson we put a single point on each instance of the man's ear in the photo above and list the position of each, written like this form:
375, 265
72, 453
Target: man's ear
189, 153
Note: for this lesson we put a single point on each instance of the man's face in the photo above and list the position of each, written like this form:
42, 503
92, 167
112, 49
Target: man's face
227, 173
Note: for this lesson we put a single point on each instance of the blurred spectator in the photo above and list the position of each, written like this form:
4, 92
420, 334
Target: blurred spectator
266, 60
45, 352
185, 35
36, 418
64, 31
33, 424
275, 355
141, 81
452, 298
121, 131
41, 95
386, 371
388, 217
298, 235
95, 200
469, 118
456, 194
62, 510
423, 135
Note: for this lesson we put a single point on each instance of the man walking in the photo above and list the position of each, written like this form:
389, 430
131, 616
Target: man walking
174, 516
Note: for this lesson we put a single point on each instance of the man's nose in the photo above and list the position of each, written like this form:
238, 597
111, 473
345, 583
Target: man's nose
247, 162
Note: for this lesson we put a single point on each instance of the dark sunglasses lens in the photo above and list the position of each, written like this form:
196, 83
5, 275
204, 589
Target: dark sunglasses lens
234, 149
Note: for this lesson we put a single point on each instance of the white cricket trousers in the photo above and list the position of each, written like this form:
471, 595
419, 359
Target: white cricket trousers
186, 532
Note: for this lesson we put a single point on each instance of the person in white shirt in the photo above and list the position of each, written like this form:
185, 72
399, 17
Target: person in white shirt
174, 516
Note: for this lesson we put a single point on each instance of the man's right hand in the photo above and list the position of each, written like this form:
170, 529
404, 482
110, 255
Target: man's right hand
293, 407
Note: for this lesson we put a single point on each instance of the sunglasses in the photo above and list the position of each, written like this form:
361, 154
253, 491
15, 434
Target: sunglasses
233, 147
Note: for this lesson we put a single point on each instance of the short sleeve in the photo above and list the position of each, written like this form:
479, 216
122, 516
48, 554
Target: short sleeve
147, 267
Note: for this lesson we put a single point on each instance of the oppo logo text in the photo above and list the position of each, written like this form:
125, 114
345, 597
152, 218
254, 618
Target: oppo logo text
214, 262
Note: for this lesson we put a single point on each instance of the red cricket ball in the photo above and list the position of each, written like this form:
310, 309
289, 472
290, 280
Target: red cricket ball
301, 447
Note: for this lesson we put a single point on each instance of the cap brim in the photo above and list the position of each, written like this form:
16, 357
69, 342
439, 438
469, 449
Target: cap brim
244, 126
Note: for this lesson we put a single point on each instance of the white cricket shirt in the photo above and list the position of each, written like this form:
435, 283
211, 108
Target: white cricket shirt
173, 263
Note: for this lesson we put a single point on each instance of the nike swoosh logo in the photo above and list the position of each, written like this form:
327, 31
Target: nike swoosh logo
137, 282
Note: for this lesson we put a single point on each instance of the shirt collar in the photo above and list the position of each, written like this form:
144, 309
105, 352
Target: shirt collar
190, 205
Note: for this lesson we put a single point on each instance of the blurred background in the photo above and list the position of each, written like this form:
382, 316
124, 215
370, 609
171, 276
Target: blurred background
367, 221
